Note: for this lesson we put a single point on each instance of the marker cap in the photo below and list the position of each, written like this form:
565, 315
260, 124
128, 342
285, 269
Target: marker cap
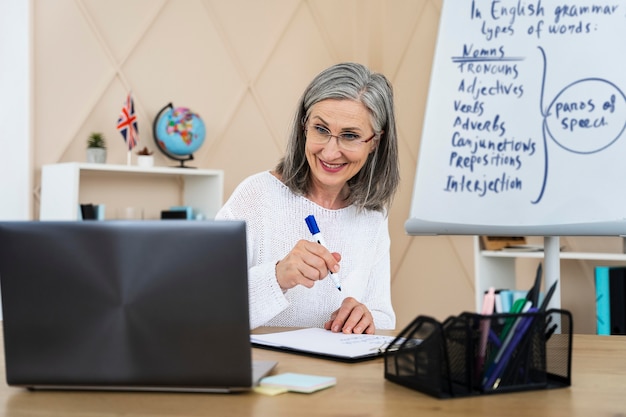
310, 221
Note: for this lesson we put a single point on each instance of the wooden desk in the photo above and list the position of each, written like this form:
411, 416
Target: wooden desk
598, 389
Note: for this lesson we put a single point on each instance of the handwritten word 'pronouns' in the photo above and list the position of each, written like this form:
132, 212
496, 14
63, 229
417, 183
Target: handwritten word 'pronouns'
482, 187
488, 68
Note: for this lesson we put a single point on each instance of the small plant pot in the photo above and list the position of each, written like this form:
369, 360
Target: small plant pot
145, 161
96, 155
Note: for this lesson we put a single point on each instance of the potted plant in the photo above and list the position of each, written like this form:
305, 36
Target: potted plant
145, 158
96, 148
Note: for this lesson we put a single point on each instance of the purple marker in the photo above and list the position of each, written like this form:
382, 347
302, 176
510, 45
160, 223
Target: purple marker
317, 235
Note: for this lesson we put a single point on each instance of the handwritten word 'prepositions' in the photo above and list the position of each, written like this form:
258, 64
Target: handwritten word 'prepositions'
495, 159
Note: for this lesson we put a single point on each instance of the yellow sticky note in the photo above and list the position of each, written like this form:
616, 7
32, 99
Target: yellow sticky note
269, 390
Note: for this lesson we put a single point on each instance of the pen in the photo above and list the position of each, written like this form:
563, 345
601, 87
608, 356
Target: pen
317, 235
488, 303
506, 342
546, 299
495, 377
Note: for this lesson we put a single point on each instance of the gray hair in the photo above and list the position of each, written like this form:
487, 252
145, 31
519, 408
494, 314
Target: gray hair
374, 186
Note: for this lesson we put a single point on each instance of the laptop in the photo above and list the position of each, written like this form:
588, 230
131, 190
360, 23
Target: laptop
127, 305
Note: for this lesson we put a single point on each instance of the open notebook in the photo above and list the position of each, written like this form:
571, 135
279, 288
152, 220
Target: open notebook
326, 344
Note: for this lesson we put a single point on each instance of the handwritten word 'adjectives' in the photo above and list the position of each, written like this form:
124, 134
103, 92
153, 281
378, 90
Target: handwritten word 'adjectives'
482, 186
477, 90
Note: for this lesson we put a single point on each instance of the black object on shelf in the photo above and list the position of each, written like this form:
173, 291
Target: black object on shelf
173, 215
88, 212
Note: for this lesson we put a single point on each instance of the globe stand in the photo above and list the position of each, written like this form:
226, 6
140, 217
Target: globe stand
180, 159
182, 162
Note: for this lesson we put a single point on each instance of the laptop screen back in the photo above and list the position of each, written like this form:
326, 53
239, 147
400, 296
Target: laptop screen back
129, 305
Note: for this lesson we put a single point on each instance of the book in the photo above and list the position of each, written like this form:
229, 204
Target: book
499, 242
324, 343
603, 311
506, 300
617, 298
523, 248
296, 382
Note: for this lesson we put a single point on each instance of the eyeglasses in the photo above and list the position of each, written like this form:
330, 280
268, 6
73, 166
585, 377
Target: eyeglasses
321, 135
351, 142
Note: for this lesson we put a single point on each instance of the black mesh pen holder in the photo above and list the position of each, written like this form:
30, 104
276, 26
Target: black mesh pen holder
472, 354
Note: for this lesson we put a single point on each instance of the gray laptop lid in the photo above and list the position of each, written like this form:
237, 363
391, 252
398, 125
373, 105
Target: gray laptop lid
156, 305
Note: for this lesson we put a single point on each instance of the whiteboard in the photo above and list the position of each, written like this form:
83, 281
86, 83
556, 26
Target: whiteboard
525, 118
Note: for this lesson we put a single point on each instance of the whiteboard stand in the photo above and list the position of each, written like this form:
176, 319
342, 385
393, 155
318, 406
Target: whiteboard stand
552, 259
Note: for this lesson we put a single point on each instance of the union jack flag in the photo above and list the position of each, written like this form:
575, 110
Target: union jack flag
127, 123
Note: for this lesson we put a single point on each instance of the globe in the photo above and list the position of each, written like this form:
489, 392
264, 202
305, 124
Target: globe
178, 132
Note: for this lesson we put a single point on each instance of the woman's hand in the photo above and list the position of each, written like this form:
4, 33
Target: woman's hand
307, 263
352, 317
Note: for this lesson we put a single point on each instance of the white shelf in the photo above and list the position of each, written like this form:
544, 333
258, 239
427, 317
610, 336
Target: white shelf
587, 256
63, 185
497, 268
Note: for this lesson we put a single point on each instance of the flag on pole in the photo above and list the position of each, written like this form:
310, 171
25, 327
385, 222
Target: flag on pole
127, 123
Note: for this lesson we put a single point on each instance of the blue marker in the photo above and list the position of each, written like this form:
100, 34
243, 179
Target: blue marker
317, 235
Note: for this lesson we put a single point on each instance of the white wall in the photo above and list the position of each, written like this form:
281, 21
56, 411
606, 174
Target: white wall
15, 111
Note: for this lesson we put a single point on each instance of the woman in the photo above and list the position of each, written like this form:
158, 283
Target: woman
341, 166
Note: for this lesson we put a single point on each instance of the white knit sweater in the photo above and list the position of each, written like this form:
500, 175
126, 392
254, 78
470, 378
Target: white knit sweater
275, 222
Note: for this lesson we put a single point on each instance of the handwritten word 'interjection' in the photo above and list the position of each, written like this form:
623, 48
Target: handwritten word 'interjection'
482, 186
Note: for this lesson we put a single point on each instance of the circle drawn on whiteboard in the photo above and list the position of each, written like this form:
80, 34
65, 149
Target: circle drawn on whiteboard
587, 116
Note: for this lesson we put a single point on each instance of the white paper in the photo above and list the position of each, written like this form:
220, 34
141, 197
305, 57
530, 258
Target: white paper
325, 342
